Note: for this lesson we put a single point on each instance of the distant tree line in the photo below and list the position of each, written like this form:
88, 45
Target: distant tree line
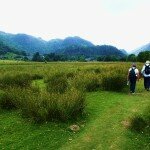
48, 57
141, 57
58, 57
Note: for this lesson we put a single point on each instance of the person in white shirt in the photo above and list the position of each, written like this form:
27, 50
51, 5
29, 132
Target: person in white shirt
132, 77
146, 74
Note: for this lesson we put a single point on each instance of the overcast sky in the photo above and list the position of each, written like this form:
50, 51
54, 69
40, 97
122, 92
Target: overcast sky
122, 23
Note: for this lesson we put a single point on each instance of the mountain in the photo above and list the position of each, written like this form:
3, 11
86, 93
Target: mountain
70, 46
24, 42
8, 52
32, 44
145, 47
59, 44
91, 51
54, 44
124, 51
76, 41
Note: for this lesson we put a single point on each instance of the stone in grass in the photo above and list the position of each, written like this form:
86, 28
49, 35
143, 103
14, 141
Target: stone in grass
126, 123
74, 128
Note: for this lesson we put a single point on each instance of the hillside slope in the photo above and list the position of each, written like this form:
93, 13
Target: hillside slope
70, 46
145, 47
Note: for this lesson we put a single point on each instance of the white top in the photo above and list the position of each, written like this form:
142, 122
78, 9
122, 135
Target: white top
135, 69
143, 71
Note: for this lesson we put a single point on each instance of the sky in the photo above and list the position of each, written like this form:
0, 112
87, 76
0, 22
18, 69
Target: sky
121, 23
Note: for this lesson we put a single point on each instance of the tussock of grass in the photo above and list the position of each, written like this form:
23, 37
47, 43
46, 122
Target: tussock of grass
141, 122
42, 106
18, 80
57, 83
114, 82
87, 82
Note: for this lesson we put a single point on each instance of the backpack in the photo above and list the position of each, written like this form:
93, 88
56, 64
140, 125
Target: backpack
132, 74
147, 70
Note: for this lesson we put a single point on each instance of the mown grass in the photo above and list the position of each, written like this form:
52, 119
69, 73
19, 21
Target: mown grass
106, 128
16, 133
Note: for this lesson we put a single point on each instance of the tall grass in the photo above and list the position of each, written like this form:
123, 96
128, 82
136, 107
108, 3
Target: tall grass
114, 82
57, 82
15, 80
66, 84
87, 82
43, 106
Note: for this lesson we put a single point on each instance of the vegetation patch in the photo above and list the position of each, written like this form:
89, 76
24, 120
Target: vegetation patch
141, 123
15, 80
114, 82
57, 83
58, 110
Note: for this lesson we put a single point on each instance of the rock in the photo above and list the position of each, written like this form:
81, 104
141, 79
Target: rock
74, 128
126, 123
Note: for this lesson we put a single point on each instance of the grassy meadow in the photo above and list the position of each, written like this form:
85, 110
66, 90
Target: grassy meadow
40, 101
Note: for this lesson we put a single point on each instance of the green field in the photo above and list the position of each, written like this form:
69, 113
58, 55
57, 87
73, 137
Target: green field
108, 110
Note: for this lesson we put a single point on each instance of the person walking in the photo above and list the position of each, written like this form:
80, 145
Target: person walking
146, 74
132, 77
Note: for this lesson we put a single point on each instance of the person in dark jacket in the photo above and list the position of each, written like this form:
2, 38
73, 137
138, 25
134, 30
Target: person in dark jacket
132, 77
146, 74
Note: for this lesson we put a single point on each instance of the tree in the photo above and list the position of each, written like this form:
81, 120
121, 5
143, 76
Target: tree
132, 57
55, 57
37, 57
143, 56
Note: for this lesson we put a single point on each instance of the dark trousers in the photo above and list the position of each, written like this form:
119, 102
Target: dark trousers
132, 85
147, 83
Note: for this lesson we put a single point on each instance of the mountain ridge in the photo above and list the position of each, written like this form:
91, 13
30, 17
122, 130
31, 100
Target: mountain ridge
68, 46
145, 47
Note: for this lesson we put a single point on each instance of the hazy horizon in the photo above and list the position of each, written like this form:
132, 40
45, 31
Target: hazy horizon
124, 24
